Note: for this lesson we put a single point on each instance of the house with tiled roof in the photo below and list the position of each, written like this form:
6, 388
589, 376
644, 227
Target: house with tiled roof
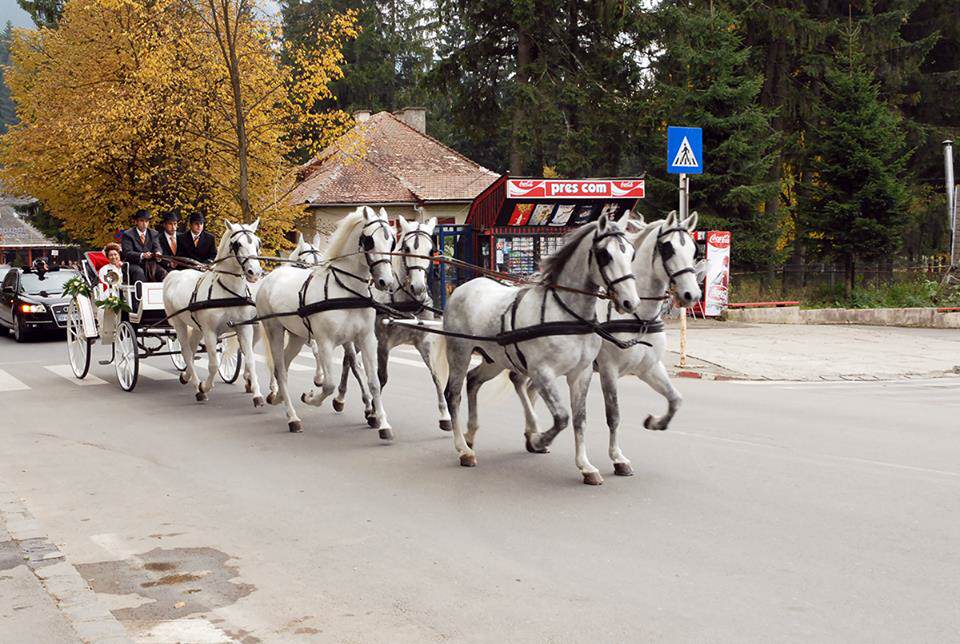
388, 160
20, 241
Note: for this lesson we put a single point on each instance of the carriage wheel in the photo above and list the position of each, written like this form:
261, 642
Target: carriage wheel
127, 356
173, 345
228, 364
78, 344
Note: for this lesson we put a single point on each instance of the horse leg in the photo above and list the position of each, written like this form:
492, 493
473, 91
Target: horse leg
368, 346
521, 386
659, 381
316, 396
275, 338
475, 379
318, 374
608, 385
551, 397
349, 359
458, 359
187, 350
359, 374
246, 336
427, 348
579, 384
210, 343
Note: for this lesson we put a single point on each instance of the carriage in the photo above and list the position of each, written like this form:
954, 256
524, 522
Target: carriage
133, 324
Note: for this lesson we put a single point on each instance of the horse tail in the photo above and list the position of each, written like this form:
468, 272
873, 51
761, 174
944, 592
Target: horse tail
438, 360
267, 354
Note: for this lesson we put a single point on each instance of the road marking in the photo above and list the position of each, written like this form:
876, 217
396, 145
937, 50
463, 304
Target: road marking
9, 383
151, 372
65, 371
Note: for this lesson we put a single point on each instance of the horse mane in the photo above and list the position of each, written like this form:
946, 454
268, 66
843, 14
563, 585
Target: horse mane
338, 241
552, 266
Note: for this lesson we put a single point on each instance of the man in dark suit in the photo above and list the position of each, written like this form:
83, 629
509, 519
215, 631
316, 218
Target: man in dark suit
170, 239
140, 248
197, 243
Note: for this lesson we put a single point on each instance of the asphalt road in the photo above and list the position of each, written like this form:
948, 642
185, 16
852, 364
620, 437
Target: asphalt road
768, 512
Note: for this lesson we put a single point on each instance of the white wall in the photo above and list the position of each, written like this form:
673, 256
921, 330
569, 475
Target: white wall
326, 219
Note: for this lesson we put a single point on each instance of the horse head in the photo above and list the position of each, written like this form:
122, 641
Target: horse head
241, 244
377, 240
676, 250
307, 252
416, 244
612, 251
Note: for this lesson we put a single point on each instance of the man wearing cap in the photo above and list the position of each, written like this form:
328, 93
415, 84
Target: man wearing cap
199, 244
170, 239
140, 248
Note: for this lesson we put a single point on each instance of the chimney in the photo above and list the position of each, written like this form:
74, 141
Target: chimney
415, 117
361, 115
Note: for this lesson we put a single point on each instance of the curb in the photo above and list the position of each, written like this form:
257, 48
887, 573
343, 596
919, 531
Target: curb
69, 591
703, 375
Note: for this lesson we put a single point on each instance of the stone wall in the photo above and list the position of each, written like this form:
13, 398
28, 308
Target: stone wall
914, 317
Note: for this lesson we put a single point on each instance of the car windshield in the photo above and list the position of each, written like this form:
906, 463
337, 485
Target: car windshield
52, 282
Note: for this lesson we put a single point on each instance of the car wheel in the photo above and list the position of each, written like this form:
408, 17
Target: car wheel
20, 332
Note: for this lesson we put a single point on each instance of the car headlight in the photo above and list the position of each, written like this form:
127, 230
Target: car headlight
33, 308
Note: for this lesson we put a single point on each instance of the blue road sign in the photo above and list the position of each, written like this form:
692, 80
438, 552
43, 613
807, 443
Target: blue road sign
684, 150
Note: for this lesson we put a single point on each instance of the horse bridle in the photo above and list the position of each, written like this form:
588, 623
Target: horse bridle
313, 252
235, 247
416, 235
367, 241
603, 257
666, 252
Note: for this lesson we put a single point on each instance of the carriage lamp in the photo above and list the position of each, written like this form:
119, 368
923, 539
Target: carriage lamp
33, 308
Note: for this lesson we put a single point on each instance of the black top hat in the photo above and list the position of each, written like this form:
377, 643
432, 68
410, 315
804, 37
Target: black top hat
141, 214
196, 218
171, 215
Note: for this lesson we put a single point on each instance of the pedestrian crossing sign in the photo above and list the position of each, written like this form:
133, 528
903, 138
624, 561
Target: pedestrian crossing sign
684, 150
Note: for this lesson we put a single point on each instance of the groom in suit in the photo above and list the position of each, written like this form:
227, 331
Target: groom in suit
170, 239
197, 243
140, 248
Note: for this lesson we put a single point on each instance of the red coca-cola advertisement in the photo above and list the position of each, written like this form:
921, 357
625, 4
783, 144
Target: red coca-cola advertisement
717, 282
575, 189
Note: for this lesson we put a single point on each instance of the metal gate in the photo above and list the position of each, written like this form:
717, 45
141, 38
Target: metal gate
453, 240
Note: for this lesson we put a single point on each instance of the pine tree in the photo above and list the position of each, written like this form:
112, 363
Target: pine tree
8, 111
45, 13
704, 78
854, 206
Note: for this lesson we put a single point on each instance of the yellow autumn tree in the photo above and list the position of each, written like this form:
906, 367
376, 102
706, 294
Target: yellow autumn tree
167, 104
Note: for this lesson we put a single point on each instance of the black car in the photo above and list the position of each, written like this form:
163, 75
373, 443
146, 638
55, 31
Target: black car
33, 301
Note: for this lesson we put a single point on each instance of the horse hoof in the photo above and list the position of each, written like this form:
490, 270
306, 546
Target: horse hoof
295, 426
258, 401
386, 434
337, 405
201, 396
468, 460
373, 421
534, 449
446, 425
318, 382
184, 379
303, 398
592, 478
650, 424
622, 469
249, 388
272, 398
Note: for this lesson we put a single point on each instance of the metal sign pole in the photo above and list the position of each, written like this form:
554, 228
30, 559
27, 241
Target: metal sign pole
951, 204
684, 206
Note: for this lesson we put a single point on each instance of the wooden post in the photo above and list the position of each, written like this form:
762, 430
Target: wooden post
683, 337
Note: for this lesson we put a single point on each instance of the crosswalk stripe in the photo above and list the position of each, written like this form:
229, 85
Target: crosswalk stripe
9, 383
64, 371
151, 372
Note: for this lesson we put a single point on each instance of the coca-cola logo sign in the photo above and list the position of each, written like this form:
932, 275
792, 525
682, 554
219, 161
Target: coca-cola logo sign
719, 239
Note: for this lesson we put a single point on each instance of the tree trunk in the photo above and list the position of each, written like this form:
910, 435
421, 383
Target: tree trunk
522, 78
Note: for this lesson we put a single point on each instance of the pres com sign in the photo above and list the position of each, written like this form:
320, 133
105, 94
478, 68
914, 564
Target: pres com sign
561, 189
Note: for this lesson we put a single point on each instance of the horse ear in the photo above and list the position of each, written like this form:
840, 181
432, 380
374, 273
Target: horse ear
317, 240
368, 212
602, 222
230, 227
670, 220
691, 222
255, 225
404, 224
383, 213
431, 224
299, 239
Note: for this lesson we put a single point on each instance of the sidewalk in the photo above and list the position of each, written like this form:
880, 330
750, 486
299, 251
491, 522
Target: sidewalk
815, 352
42, 596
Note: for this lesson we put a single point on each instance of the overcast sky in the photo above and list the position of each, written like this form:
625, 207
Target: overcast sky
10, 10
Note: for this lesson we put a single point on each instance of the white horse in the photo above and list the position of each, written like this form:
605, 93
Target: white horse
331, 305
664, 258
595, 255
202, 305
412, 296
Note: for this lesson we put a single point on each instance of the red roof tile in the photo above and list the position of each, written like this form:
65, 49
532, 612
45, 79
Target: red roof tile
385, 160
